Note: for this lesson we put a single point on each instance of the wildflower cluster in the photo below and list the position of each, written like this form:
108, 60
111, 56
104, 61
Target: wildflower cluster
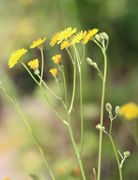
66, 38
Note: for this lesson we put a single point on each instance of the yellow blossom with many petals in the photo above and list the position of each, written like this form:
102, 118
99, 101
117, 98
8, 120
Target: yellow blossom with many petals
62, 35
65, 34
53, 71
90, 35
64, 44
15, 57
54, 39
37, 43
34, 64
57, 59
78, 37
129, 111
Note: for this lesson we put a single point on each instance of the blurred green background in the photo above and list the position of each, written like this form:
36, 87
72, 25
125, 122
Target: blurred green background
21, 22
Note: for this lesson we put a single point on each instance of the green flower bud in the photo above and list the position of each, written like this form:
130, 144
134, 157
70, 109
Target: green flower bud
108, 107
117, 110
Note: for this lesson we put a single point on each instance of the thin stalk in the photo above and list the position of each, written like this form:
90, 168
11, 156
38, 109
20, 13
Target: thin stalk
65, 86
27, 69
74, 87
49, 103
81, 93
75, 147
72, 60
30, 130
111, 124
42, 64
101, 117
117, 158
52, 93
51, 107
81, 110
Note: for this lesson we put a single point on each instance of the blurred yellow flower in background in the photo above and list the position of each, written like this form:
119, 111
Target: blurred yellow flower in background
129, 111
37, 43
34, 64
53, 71
6, 178
64, 44
57, 59
90, 35
15, 57
78, 37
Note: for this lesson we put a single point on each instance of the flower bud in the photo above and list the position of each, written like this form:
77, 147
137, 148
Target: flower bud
117, 110
108, 107
126, 154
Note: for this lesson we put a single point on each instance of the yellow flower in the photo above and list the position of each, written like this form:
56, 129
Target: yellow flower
62, 35
54, 39
78, 37
37, 43
53, 71
90, 35
34, 64
6, 178
15, 57
129, 111
64, 44
57, 59
65, 34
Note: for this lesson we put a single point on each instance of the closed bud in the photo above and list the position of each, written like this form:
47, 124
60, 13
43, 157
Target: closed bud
108, 107
117, 110
126, 154
98, 37
105, 36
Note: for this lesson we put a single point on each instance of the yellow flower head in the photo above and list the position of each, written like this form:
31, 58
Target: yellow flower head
62, 35
53, 71
65, 34
54, 39
15, 57
90, 35
37, 43
6, 178
78, 37
57, 59
64, 44
34, 64
129, 111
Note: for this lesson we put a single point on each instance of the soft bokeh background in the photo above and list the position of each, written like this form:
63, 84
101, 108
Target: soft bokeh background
21, 22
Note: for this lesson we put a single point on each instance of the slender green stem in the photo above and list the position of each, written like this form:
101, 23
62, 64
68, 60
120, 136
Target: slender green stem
51, 107
101, 117
81, 111
75, 148
111, 124
70, 55
65, 86
42, 64
117, 158
81, 92
27, 69
52, 93
13, 101
49, 103
74, 87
